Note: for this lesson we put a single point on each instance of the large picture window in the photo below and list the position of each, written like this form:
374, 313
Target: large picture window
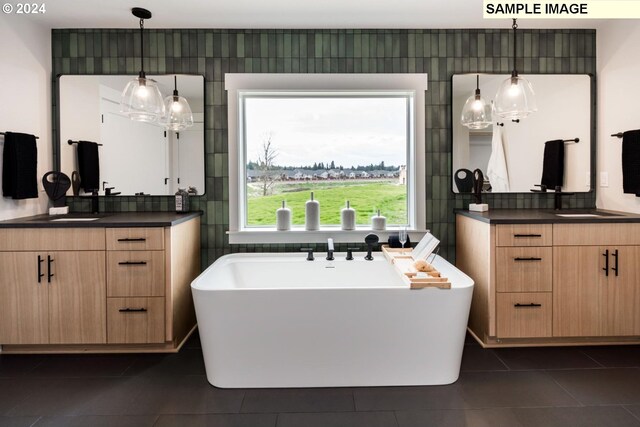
343, 137
341, 146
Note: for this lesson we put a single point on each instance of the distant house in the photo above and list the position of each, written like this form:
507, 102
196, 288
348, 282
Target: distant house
352, 175
324, 175
402, 175
364, 174
298, 175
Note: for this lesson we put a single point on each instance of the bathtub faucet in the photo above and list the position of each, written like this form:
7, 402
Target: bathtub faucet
370, 240
330, 249
309, 252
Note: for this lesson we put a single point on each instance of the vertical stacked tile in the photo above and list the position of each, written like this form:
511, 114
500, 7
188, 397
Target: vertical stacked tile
440, 53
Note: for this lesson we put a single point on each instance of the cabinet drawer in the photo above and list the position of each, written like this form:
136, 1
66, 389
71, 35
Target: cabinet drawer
135, 274
52, 239
524, 315
135, 239
524, 235
526, 269
135, 320
596, 234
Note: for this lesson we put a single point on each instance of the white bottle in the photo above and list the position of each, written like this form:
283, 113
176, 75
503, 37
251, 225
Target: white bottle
312, 215
348, 217
378, 222
283, 218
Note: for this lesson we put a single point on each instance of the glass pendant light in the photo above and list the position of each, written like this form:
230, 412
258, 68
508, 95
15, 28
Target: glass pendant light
515, 98
476, 113
178, 114
141, 99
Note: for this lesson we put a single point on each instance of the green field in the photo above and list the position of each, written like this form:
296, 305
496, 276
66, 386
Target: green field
365, 197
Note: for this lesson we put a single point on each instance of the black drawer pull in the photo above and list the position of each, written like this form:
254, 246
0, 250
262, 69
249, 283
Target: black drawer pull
132, 239
49, 273
615, 256
606, 262
133, 263
518, 305
527, 259
133, 310
40, 273
527, 235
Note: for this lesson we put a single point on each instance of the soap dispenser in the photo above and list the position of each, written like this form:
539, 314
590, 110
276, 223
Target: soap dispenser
283, 218
312, 215
348, 217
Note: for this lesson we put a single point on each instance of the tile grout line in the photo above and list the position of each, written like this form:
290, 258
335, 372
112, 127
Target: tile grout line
592, 358
501, 361
637, 417
36, 421
244, 395
564, 389
395, 417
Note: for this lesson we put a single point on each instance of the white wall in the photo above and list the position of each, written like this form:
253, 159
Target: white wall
618, 94
80, 106
25, 73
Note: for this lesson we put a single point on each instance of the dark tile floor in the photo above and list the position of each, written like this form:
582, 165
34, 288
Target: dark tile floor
524, 387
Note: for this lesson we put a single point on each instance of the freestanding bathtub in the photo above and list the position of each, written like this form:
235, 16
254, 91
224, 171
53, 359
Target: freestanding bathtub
277, 320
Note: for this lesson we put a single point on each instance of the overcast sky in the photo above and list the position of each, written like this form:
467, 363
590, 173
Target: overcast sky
349, 131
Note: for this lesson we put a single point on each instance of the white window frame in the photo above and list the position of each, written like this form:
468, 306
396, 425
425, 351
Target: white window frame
238, 83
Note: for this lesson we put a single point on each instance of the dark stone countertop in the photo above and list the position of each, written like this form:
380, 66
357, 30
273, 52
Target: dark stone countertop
548, 216
116, 219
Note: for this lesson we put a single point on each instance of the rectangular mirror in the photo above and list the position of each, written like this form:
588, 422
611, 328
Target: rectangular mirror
134, 157
564, 113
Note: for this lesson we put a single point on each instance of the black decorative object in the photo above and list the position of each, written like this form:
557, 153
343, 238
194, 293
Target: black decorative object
56, 185
464, 180
478, 182
75, 182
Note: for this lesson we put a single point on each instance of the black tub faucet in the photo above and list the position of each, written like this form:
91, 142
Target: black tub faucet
309, 252
370, 240
350, 253
330, 249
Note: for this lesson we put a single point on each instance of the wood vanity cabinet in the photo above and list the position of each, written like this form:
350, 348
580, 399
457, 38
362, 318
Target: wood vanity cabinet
50, 296
597, 280
551, 284
97, 289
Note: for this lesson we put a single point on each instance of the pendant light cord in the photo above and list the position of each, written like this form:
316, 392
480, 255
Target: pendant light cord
142, 74
515, 42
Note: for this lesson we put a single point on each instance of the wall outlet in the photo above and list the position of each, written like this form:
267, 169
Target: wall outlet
604, 179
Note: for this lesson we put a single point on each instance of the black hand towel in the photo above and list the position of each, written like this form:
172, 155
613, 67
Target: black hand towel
20, 166
553, 164
89, 166
631, 161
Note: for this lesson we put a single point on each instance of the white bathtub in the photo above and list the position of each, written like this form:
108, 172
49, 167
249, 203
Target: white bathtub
277, 320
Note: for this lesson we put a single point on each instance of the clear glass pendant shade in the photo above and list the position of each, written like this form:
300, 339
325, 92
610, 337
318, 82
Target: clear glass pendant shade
476, 113
178, 114
142, 101
515, 99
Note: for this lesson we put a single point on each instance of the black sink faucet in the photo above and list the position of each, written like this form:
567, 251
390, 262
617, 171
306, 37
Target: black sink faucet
95, 202
557, 198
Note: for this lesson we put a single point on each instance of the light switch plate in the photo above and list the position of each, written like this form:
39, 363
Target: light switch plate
604, 179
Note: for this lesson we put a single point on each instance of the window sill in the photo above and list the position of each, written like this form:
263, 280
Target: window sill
270, 235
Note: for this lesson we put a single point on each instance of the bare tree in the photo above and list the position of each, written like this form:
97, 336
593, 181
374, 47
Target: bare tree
265, 164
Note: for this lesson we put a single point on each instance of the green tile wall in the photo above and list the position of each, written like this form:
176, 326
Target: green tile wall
212, 53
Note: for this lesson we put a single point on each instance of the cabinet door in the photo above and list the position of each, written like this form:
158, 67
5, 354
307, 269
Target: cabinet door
23, 301
579, 284
622, 297
77, 298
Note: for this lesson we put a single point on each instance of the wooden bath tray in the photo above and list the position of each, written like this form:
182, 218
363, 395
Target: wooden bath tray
402, 260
